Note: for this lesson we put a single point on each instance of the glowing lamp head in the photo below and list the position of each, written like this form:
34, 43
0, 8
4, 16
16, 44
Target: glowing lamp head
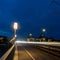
30, 34
43, 30
15, 35
15, 26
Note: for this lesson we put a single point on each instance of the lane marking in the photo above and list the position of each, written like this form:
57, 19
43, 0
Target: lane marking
16, 53
29, 54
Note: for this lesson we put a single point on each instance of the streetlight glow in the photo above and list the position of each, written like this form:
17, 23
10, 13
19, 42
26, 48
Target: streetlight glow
30, 34
15, 35
43, 30
15, 26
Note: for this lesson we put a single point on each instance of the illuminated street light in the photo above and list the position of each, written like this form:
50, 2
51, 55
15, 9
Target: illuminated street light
15, 27
15, 35
43, 30
30, 34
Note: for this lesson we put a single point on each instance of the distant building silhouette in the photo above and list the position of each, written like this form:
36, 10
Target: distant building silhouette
41, 38
30, 38
4, 40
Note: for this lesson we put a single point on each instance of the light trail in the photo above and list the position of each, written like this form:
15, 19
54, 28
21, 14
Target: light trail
30, 42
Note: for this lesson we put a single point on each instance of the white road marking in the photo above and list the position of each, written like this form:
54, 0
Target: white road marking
29, 54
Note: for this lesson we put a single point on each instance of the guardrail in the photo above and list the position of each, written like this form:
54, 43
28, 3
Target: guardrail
7, 53
54, 52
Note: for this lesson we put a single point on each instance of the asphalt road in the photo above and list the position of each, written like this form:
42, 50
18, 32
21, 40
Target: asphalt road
27, 52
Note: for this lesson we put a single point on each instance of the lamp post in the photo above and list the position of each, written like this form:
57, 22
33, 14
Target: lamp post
15, 27
43, 31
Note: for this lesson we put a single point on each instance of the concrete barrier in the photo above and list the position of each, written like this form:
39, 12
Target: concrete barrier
7, 53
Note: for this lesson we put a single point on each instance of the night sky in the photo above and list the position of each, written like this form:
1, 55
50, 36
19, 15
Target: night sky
32, 16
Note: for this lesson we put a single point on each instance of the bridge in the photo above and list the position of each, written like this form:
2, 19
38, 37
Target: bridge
25, 50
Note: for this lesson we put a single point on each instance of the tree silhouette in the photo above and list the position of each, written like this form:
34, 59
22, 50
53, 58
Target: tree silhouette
54, 1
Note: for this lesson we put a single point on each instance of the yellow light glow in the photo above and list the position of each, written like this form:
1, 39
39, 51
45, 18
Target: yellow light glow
15, 26
15, 35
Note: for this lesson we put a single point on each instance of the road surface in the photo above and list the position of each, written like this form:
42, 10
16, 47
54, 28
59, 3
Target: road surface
28, 52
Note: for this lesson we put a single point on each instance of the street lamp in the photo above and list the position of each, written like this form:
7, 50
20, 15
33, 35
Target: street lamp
30, 34
43, 30
15, 26
15, 35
